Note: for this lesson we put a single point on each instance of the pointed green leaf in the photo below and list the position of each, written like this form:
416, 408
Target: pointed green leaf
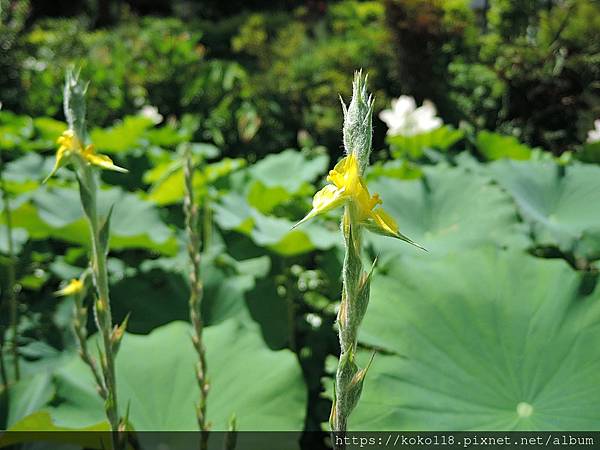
104, 232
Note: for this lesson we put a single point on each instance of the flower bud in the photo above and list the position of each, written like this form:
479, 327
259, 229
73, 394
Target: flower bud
358, 128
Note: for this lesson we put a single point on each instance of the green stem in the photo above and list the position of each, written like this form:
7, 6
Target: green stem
102, 314
79, 328
12, 289
196, 292
207, 223
348, 383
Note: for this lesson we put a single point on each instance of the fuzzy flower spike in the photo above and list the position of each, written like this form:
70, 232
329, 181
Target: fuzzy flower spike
348, 187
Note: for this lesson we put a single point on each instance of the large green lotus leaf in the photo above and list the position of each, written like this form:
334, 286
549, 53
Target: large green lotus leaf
14, 130
168, 183
61, 438
561, 203
57, 213
590, 152
155, 375
122, 137
28, 395
19, 238
49, 129
289, 169
266, 199
275, 233
159, 293
414, 146
25, 173
497, 146
448, 209
481, 340
271, 184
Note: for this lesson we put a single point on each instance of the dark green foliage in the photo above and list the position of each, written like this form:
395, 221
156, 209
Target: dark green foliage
13, 14
257, 78
530, 69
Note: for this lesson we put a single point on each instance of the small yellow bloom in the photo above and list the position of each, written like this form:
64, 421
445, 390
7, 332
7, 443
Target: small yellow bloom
99, 160
348, 186
75, 286
69, 144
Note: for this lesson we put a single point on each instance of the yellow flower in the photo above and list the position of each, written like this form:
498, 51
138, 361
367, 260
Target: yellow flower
69, 144
347, 186
75, 286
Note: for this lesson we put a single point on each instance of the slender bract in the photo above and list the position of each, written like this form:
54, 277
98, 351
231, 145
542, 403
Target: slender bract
86, 162
347, 188
196, 291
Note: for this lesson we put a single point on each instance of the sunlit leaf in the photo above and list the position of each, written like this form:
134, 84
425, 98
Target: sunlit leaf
57, 213
274, 233
447, 210
233, 349
481, 340
289, 169
414, 146
497, 146
122, 137
560, 203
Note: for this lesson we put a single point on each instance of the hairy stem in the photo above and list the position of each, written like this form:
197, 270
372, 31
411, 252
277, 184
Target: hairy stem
102, 309
207, 224
196, 291
355, 299
79, 328
347, 321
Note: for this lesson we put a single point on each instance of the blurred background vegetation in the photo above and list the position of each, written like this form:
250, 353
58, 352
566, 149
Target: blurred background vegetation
256, 73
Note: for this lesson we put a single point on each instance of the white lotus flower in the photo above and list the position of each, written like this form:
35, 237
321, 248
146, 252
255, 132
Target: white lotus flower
151, 112
407, 120
594, 135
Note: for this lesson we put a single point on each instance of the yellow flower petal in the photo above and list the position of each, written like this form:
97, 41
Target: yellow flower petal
75, 286
326, 199
69, 140
384, 222
348, 186
62, 156
70, 145
99, 160
381, 222
346, 175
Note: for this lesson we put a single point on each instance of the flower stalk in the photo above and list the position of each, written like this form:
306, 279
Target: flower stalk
78, 289
347, 188
85, 162
190, 208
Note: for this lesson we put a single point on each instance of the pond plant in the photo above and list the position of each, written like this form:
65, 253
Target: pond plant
347, 188
84, 160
